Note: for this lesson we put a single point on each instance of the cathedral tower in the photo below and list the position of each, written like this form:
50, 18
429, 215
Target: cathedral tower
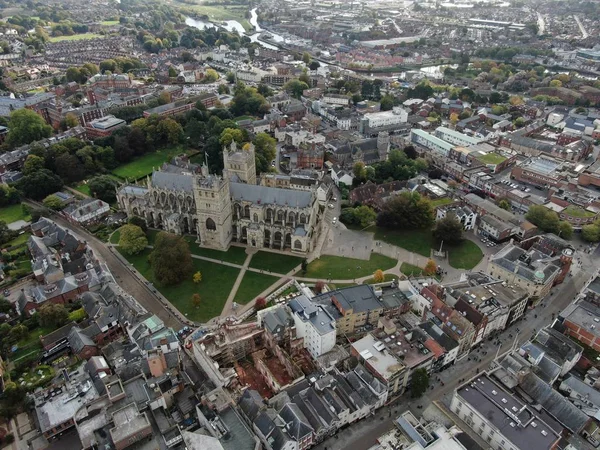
213, 211
239, 164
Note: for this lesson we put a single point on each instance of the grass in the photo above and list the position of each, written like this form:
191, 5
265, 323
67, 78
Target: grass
464, 256
341, 268
234, 255
18, 241
109, 23
217, 281
30, 345
84, 189
441, 202
491, 158
75, 37
240, 118
410, 269
252, 285
12, 213
115, 237
275, 262
386, 278
416, 241
142, 166
576, 211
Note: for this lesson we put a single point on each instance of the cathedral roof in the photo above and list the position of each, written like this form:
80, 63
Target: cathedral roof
172, 181
270, 196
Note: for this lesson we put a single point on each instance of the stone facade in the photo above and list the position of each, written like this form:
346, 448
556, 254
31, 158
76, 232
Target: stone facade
183, 198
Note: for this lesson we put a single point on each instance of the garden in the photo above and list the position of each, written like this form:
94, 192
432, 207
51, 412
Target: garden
252, 285
341, 268
144, 165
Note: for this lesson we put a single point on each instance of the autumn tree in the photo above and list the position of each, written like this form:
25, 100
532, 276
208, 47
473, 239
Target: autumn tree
197, 277
319, 285
196, 300
171, 259
132, 239
430, 267
379, 276
260, 303
454, 118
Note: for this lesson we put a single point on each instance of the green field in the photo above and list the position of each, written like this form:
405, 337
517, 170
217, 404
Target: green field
441, 202
466, 255
30, 345
217, 281
19, 240
275, 262
416, 241
115, 237
84, 189
491, 158
576, 211
75, 37
12, 213
252, 285
410, 269
142, 166
235, 255
341, 268
109, 23
220, 13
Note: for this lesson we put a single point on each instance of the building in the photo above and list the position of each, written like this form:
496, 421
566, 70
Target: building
462, 213
86, 211
535, 266
314, 324
336, 99
580, 322
103, 127
540, 171
184, 198
130, 427
502, 419
456, 138
383, 120
438, 147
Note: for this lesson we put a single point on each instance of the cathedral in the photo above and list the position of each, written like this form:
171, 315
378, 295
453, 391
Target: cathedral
183, 198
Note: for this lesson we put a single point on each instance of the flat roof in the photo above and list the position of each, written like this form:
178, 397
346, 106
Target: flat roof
378, 357
511, 417
129, 421
585, 315
434, 139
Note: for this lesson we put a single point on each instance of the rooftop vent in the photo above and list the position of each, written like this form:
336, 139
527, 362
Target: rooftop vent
512, 424
494, 392
504, 400
533, 424
544, 433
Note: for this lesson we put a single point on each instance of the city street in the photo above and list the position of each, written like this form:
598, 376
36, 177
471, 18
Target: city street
363, 435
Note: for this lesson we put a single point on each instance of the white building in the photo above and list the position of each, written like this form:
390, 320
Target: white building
314, 325
336, 99
86, 211
463, 214
456, 138
438, 146
341, 176
380, 119
248, 76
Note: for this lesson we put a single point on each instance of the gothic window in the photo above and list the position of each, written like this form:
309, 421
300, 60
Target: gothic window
302, 218
280, 216
297, 244
291, 217
247, 211
210, 224
255, 217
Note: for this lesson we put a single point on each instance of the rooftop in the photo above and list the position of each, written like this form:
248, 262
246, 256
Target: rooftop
585, 315
378, 357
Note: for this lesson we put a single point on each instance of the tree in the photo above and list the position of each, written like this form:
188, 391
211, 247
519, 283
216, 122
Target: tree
138, 222
295, 88
197, 277
386, 102
133, 239
304, 265
314, 65
260, 303
306, 58
319, 286
359, 171
53, 202
223, 89
228, 135
210, 76
230, 77
504, 204
171, 260
454, 118
196, 300
565, 230
556, 83
26, 126
430, 268
39, 184
33, 163
6, 234
356, 98
449, 229
71, 120
265, 150
379, 276
410, 152
364, 215
53, 315
6, 306
172, 72
408, 210
591, 232
419, 383
104, 188
544, 218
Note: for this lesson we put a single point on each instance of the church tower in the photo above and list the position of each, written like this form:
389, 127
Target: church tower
383, 145
213, 211
239, 164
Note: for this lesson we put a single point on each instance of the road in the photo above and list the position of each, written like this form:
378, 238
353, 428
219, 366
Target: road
541, 24
584, 33
124, 276
364, 434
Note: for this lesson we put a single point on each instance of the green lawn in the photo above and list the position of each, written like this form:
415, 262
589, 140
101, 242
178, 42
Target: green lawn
19, 240
464, 256
30, 345
84, 189
142, 166
75, 37
235, 255
12, 213
416, 241
491, 158
115, 237
576, 211
387, 277
217, 281
410, 269
441, 202
109, 23
275, 262
341, 268
252, 285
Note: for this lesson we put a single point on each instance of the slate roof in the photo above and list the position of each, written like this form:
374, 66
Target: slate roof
270, 196
79, 340
251, 403
297, 424
173, 181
